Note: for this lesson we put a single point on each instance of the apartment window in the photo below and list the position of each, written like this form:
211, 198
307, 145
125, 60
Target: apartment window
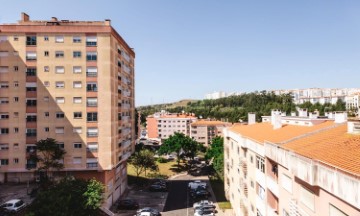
91, 56
4, 116
16, 160
16, 145
77, 54
4, 69
46, 83
77, 145
92, 116
31, 132
46, 38
60, 115
59, 39
16, 99
260, 163
16, 68
59, 130
307, 198
77, 130
77, 115
4, 162
91, 41
59, 69
16, 38
31, 56
59, 85
77, 160
60, 100
59, 54
46, 53
91, 102
91, 87
46, 69
46, 129
92, 132
31, 102
30, 71
76, 69
77, 100
76, 39
91, 71
77, 84
4, 100
92, 147
31, 117
16, 130
61, 145
4, 147
4, 130
30, 87
46, 114
30, 40
16, 84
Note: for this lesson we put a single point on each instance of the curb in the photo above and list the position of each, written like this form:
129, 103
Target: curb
177, 175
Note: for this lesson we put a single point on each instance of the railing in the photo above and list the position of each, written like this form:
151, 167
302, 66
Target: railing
92, 165
125, 144
92, 134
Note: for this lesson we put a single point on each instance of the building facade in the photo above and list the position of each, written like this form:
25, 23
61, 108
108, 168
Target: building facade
72, 81
203, 131
293, 166
162, 125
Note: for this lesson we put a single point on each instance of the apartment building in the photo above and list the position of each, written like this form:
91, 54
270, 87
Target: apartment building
72, 81
353, 102
161, 125
203, 131
293, 166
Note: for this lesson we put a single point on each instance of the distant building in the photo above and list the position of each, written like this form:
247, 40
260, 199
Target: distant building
353, 102
203, 131
215, 95
293, 165
161, 125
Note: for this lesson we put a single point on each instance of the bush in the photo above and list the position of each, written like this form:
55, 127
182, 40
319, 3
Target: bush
162, 160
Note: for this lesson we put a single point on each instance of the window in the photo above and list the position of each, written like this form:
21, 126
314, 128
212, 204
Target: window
60, 115
91, 102
46, 114
30, 40
59, 130
16, 114
16, 68
46, 83
59, 84
31, 132
307, 198
59, 69
92, 132
77, 100
4, 116
91, 71
60, 100
31, 86
77, 115
4, 130
4, 85
77, 145
61, 145
16, 130
16, 99
30, 56
16, 160
46, 38
46, 99
4, 69
92, 147
77, 54
16, 145
77, 84
59, 39
46, 53
91, 41
16, 38
16, 84
46, 69
59, 54
4, 147
31, 102
260, 164
4, 162
92, 116
77, 160
77, 130
46, 129
76, 69
91, 87
76, 39
91, 56
4, 100
30, 71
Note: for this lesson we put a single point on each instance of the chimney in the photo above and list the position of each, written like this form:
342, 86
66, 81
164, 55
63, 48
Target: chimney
54, 19
314, 115
274, 112
251, 118
108, 22
340, 117
293, 114
25, 17
277, 121
303, 112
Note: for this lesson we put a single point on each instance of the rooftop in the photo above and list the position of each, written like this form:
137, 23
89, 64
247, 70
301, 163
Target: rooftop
209, 123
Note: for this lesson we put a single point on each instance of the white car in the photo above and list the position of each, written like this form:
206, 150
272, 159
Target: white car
13, 205
195, 184
202, 202
204, 213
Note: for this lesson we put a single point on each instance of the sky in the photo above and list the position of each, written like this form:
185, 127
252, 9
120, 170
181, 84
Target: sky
188, 48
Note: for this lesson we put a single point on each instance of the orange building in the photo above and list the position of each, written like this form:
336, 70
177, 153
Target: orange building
203, 131
72, 81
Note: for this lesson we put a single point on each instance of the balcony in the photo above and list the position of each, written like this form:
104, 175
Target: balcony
125, 144
31, 134
92, 165
92, 134
260, 177
125, 156
30, 166
272, 186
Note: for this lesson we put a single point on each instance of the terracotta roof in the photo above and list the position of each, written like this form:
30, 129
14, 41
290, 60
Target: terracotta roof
261, 132
334, 147
209, 123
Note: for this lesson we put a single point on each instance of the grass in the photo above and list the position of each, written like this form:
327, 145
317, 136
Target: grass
217, 186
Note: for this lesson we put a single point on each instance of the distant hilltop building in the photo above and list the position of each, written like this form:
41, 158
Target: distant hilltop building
220, 94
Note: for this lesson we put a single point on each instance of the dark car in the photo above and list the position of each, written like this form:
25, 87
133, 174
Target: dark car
205, 207
128, 204
199, 194
158, 187
148, 209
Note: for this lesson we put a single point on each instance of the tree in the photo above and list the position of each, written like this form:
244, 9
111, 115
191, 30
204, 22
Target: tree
179, 143
142, 161
70, 197
216, 152
48, 155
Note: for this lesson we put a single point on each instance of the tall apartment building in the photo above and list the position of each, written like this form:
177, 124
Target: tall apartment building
162, 124
72, 81
293, 166
203, 131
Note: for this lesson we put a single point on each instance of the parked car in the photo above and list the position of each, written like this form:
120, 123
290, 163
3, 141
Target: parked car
205, 213
200, 194
205, 207
158, 187
153, 211
195, 184
13, 205
202, 202
128, 204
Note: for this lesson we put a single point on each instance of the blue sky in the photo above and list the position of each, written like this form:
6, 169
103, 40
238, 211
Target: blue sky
187, 48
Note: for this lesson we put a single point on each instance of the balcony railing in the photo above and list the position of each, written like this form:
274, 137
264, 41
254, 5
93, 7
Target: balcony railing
32, 134
92, 134
92, 165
